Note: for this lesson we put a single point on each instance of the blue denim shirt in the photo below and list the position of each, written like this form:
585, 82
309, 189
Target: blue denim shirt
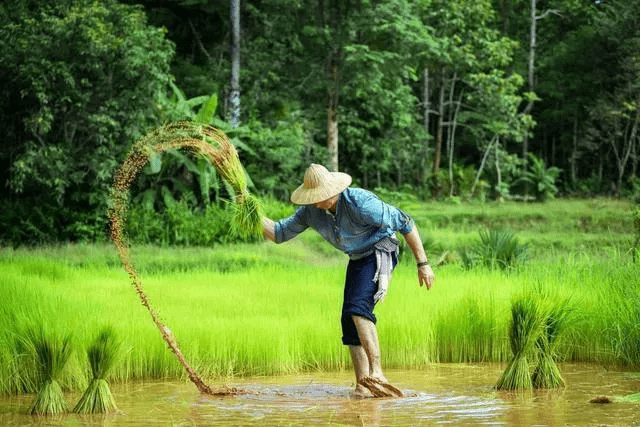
360, 221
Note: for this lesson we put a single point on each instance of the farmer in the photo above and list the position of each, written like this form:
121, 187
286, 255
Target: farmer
357, 222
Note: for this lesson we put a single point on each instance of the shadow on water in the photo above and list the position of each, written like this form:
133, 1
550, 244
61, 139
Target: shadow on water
452, 394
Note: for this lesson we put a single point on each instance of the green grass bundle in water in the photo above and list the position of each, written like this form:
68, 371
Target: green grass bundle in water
102, 355
546, 373
50, 353
524, 331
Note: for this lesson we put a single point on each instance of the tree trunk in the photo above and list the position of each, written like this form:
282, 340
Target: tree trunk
498, 171
234, 95
427, 111
452, 88
438, 152
484, 159
532, 54
601, 169
622, 156
631, 153
532, 84
573, 159
332, 119
453, 124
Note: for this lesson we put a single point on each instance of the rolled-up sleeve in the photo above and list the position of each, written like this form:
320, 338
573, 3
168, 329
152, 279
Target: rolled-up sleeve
288, 228
374, 211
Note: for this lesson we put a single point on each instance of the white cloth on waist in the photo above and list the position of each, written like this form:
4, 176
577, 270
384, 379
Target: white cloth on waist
384, 249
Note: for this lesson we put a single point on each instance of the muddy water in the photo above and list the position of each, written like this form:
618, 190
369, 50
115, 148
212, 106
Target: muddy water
456, 395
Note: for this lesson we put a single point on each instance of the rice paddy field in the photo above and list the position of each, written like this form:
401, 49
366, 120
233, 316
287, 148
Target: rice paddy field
264, 309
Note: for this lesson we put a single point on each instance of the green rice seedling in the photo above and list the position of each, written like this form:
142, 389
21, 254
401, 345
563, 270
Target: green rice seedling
102, 355
524, 331
631, 398
50, 353
246, 217
495, 249
546, 373
238, 292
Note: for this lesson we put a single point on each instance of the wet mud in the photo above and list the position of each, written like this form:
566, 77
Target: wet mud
456, 394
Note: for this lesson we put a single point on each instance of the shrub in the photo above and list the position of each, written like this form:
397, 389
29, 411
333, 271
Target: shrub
542, 178
495, 249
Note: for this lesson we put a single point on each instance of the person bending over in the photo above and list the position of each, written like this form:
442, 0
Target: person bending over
358, 223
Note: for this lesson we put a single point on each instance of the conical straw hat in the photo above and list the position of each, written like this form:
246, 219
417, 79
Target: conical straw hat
319, 184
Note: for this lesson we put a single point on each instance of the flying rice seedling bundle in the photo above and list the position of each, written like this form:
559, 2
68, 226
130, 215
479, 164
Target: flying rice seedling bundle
200, 140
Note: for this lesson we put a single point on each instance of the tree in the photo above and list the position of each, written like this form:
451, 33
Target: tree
469, 53
82, 81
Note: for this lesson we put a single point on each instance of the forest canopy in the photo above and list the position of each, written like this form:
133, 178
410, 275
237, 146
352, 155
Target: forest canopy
466, 99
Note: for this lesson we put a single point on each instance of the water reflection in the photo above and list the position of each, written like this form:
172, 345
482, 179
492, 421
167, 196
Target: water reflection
457, 395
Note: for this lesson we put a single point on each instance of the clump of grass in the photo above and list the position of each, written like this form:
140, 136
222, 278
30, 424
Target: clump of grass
524, 330
495, 249
546, 373
50, 355
102, 355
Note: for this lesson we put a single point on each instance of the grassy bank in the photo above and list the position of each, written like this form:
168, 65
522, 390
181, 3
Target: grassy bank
269, 309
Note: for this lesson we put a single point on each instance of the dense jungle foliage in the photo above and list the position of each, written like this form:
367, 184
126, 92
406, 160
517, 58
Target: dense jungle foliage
461, 99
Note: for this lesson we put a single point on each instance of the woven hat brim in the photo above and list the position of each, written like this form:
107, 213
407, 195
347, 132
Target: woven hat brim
307, 196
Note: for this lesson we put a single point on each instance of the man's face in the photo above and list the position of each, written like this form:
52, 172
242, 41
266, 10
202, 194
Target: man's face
328, 204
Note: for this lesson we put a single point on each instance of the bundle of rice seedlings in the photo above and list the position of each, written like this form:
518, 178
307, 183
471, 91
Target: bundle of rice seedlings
50, 354
546, 373
20, 376
201, 140
495, 249
102, 355
523, 333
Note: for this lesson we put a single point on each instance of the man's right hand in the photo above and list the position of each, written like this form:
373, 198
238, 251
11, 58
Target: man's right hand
268, 229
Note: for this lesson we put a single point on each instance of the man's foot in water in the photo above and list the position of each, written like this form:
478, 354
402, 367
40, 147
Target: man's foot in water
380, 387
361, 392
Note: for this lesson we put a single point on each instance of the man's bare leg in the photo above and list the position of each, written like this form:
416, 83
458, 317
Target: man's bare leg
369, 339
375, 381
361, 368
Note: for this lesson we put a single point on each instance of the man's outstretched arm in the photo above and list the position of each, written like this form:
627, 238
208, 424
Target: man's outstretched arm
425, 274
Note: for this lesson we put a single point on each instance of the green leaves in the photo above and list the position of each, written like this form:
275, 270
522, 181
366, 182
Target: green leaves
495, 249
86, 78
542, 178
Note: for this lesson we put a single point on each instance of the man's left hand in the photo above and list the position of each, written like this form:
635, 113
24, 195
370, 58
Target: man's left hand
426, 276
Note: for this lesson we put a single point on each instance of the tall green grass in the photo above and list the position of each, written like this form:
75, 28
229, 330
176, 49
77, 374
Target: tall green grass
272, 319
269, 309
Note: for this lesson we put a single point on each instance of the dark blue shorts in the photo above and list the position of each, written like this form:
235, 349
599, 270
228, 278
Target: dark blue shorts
359, 289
